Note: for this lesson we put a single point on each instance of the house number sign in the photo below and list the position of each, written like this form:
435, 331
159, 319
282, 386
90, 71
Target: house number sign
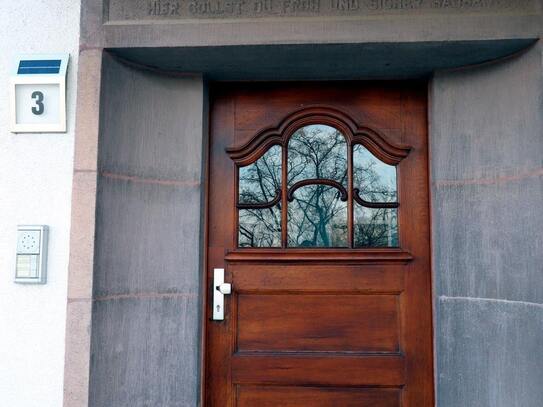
38, 94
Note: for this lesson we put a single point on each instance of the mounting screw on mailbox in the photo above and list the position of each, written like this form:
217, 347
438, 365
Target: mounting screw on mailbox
31, 263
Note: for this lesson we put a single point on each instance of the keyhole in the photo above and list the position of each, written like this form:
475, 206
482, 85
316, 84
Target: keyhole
218, 308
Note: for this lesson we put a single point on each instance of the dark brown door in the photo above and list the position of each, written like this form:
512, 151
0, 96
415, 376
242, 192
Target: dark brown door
318, 212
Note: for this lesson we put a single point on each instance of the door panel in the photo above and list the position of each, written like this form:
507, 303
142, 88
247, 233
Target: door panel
317, 323
325, 370
319, 326
319, 278
272, 396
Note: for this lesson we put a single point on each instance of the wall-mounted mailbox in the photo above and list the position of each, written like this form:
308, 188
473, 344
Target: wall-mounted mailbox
31, 264
38, 94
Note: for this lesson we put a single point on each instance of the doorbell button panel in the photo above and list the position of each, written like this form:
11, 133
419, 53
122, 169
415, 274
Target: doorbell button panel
31, 263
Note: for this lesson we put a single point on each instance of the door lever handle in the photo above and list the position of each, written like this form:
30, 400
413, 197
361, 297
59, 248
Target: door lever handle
225, 288
220, 290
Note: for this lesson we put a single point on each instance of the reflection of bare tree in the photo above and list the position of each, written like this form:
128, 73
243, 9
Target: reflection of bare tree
317, 214
317, 217
317, 152
375, 227
260, 182
260, 227
375, 179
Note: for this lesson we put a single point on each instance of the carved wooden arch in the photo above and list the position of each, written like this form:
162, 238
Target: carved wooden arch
374, 141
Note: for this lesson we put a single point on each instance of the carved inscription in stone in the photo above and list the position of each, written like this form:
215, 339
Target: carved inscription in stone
163, 8
120, 10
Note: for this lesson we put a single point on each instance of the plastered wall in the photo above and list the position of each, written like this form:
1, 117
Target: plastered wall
35, 188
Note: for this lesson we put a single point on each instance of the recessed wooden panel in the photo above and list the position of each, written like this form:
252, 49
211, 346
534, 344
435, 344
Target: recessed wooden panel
318, 277
322, 369
275, 396
324, 322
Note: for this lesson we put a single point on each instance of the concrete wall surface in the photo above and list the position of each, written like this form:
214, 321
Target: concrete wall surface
487, 188
153, 23
35, 188
146, 290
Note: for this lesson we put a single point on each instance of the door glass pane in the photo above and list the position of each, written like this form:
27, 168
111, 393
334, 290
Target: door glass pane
259, 203
317, 194
375, 180
260, 182
260, 227
375, 227
317, 151
317, 217
317, 211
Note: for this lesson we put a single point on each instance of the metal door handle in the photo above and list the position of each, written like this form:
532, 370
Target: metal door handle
220, 289
225, 288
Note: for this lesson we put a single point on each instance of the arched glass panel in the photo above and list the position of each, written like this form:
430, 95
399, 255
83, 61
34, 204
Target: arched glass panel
336, 194
259, 201
317, 181
375, 195
317, 151
375, 180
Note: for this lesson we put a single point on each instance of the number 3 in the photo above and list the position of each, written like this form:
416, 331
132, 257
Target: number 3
39, 108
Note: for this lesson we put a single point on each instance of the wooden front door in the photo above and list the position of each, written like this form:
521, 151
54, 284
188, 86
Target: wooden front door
318, 213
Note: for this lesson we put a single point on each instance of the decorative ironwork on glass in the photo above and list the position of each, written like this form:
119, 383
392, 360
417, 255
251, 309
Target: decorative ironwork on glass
318, 187
259, 201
